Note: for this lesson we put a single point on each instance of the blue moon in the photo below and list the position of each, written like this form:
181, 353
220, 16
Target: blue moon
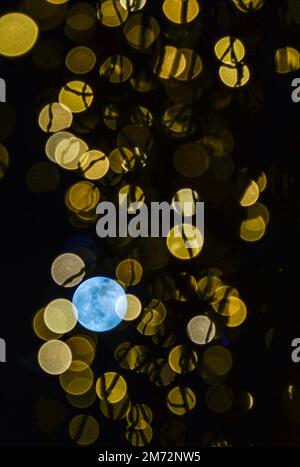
101, 304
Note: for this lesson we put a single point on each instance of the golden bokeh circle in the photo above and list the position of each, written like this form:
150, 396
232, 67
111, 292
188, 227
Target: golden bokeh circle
207, 286
229, 50
129, 272
138, 358
41, 329
139, 433
181, 400
84, 429
53, 142
115, 411
250, 195
121, 354
68, 150
181, 11
111, 387
170, 62
134, 308
182, 359
201, 330
184, 201
82, 197
236, 319
287, 60
78, 379
55, 117
253, 229
80, 60
116, 69
68, 270
258, 209
141, 35
94, 164
138, 412
111, 13
217, 360
131, 194
227, 305
18, 34
234, 77
221, 294
55, 357
60, 316
76, 95
121, 160
185, 242
192, 65
82, 350
160, 373
153, 316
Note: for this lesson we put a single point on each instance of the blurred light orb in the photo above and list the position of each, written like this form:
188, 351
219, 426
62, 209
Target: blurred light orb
229, 50
76, 95
201, 330
84, 429
111, 13
55, 117
111, 387
18, 34
181, 11
68, 270
234, 77
80, 60
287, 59
60, 316
101, 304
55, 357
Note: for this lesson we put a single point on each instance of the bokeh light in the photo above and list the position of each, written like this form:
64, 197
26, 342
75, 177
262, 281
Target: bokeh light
55, 357
18, 34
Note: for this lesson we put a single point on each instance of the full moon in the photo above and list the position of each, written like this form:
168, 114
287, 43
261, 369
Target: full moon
101, 304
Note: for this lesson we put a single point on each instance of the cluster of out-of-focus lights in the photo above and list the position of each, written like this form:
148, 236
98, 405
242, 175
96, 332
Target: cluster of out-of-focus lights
69, 330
